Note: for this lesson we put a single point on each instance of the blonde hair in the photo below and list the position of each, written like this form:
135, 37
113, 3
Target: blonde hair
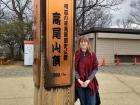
84, 39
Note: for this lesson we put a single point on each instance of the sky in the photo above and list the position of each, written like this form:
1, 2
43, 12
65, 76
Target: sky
123, 11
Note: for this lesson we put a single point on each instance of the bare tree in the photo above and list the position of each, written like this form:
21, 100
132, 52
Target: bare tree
94, 13
124, 23
97, 18
19, 13
18, 8
1, 10
135, 12
133, 20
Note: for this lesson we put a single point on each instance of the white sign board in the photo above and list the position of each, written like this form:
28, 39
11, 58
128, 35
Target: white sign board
28, 52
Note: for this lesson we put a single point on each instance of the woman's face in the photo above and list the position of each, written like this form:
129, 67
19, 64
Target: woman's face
84, 46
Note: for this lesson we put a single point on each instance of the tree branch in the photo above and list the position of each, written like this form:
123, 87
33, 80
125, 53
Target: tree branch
18, 5
6, 4
25, 5
14, 7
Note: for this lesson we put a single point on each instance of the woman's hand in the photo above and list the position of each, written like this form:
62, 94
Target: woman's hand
81, 82
86, 83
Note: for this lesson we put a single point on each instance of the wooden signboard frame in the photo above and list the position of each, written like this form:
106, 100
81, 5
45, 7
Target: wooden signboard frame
37, 47
59, 43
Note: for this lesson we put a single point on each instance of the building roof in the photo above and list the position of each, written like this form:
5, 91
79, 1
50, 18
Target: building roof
111, 30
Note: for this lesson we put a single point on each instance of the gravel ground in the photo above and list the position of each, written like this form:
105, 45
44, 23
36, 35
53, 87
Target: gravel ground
16, 70
131, 70
122, 89
19, 69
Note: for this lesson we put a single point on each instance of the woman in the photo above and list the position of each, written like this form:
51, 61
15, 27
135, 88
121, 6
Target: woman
86, 66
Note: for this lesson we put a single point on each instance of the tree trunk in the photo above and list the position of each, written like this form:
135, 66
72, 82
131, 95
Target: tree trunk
11, 52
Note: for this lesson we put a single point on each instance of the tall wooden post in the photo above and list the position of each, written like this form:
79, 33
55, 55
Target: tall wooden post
53, 64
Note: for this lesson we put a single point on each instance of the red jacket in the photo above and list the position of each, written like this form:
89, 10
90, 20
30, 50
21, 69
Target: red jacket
88, 62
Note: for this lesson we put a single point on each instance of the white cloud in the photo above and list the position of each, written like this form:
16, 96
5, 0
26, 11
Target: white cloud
123, 11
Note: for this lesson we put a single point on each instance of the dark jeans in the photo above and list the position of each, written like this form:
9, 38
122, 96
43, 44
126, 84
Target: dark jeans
85, 96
